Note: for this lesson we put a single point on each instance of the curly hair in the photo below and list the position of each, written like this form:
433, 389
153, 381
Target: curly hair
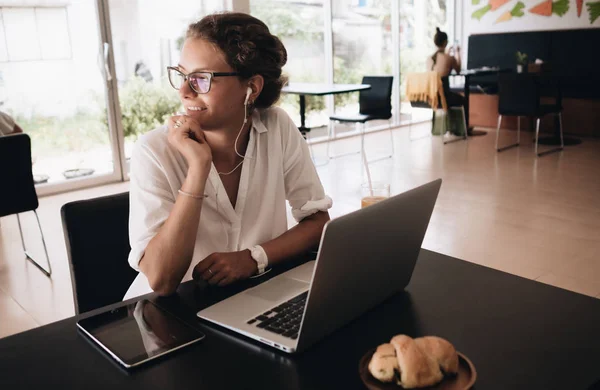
249, 48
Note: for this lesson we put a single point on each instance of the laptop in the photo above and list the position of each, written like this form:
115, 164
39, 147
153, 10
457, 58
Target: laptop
364, 257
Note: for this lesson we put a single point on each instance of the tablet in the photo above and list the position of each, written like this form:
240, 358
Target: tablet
139, 332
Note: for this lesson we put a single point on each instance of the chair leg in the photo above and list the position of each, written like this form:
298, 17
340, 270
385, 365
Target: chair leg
562, 141
498, 134
410, 137
343, 154
392, 137
444, 128
331, 133
48, 273
363, 153
462, 110
518, 130
537, 137
498, 130
312, 152
392, 144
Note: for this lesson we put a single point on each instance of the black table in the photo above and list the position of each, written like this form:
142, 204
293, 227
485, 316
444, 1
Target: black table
318, 89
467, 74
519, 334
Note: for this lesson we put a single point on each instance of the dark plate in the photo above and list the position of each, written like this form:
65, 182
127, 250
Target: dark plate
462, 381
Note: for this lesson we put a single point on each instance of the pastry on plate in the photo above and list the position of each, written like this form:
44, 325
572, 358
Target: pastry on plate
383, 364
414, 363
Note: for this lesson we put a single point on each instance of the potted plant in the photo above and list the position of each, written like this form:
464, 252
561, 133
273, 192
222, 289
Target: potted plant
521, 61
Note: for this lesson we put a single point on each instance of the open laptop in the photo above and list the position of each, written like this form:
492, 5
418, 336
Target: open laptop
364, 257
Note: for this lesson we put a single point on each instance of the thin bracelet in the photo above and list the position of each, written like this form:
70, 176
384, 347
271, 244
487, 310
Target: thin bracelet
192, 195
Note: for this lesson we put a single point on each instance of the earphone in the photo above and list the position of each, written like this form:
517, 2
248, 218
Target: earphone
248, 92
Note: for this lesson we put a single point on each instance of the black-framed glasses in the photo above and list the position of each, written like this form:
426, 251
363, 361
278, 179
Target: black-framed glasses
199, 82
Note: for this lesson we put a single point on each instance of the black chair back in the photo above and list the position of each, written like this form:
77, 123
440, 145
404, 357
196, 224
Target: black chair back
377, 101
518, 94
18, 194
97, 238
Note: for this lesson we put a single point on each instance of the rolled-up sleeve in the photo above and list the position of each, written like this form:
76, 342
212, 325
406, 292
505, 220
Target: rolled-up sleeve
151, 201
303, 187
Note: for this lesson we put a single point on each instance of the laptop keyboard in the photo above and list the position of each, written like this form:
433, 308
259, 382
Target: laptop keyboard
284, 319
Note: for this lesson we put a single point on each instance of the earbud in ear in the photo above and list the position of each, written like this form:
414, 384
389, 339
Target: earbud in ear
248, 92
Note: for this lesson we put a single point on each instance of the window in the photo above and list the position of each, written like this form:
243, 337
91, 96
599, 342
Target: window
362, 46
418, 20
147, 37
32, 34
301, 28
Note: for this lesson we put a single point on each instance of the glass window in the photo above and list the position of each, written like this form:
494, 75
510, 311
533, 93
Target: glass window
147, 37
53, 85
418, 20
21, 34
300, 26
3, 48
53, 30
34, 33
362, 46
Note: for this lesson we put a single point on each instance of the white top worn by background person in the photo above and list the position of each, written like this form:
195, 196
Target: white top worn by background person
277, 167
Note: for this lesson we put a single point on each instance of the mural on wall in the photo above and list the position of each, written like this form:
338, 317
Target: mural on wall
502, 11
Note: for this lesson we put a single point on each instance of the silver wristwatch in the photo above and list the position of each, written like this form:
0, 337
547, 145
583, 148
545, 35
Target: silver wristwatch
260, 256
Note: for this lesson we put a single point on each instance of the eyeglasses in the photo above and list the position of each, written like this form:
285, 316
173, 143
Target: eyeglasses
199, 82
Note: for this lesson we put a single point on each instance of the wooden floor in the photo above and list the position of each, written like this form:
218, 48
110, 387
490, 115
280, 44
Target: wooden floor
538, 218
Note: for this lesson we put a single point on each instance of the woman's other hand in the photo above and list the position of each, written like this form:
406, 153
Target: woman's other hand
225, 268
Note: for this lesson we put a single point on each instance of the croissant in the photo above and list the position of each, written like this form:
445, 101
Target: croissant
384, 364
441, 351
419, 362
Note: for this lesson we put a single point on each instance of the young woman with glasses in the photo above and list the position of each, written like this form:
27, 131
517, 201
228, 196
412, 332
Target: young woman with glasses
209, 189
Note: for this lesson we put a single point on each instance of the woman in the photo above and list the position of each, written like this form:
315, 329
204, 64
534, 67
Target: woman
208, 190
444, 63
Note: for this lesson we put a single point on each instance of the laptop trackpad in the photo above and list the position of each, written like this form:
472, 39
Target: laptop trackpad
278, 288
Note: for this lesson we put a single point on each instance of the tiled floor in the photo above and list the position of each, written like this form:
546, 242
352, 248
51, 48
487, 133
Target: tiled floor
536, 218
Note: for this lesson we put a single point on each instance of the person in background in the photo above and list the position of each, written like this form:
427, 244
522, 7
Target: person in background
208, 191
8, 125
444, 61
141, 70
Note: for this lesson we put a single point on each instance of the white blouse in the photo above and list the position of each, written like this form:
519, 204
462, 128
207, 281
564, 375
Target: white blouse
277, 167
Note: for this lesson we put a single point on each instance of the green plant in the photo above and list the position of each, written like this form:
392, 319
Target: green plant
56, 136
287, 22
145, 106
521, 58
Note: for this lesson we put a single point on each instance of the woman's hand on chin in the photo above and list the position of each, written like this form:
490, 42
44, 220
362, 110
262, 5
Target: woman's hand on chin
187, 137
